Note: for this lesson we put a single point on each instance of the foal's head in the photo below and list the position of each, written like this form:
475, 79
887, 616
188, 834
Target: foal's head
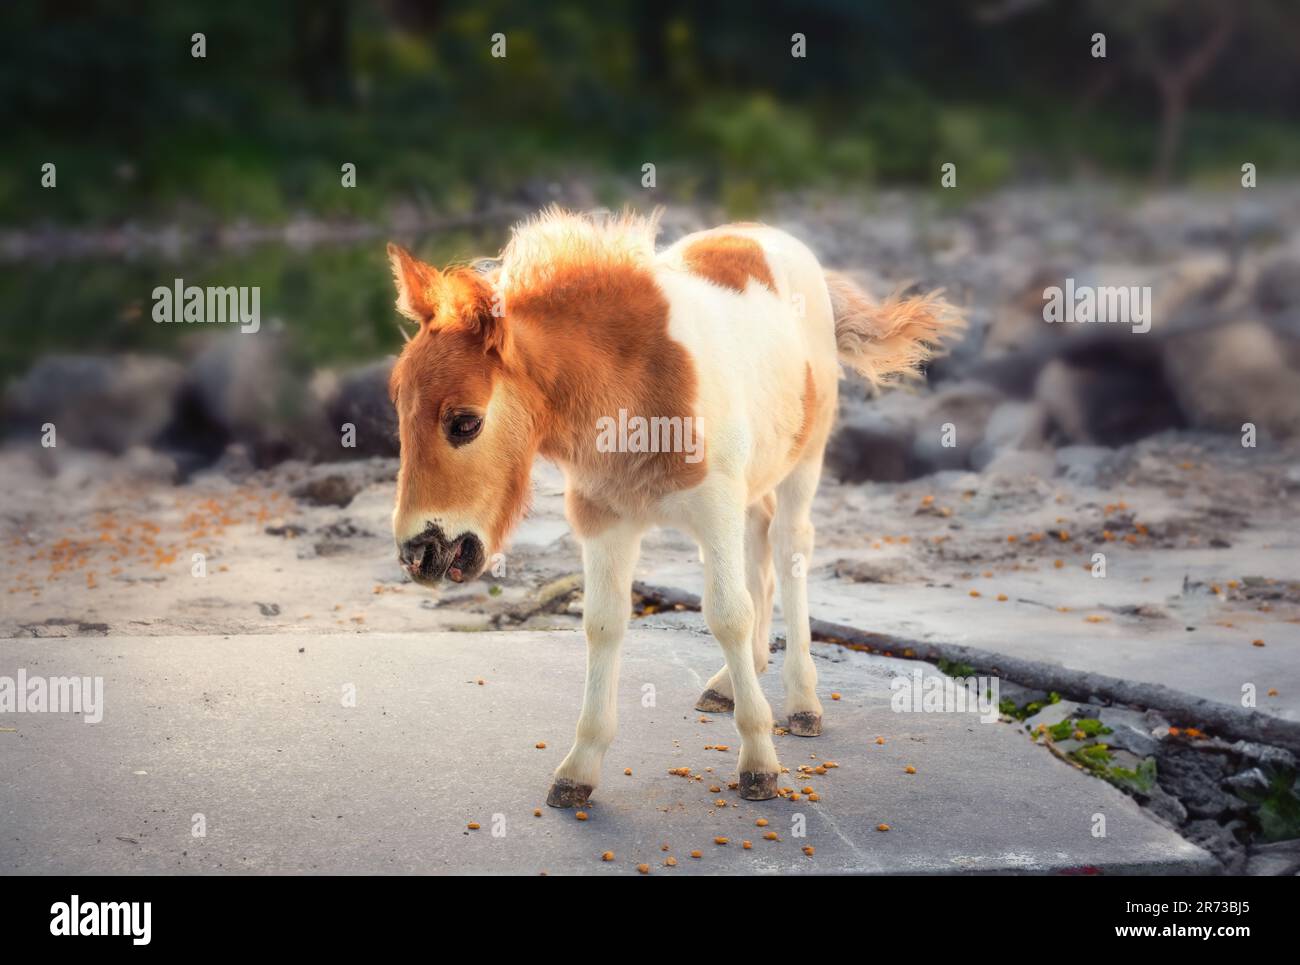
467, 437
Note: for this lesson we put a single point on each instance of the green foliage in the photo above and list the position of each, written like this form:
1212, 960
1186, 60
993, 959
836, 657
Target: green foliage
1139, 780
412, 95
955, 669
1278, 808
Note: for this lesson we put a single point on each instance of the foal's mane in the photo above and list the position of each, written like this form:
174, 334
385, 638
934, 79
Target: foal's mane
559, 257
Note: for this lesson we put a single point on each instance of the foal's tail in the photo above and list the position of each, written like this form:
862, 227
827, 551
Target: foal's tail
890, 340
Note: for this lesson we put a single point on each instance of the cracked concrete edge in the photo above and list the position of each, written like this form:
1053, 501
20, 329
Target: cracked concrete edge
1237, 723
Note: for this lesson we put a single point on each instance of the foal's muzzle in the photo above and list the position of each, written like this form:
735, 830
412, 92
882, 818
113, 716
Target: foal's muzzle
429, 556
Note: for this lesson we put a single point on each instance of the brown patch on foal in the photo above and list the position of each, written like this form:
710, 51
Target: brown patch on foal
589, 324
809, 403
730, 261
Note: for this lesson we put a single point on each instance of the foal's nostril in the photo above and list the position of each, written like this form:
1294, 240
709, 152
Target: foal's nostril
426, 555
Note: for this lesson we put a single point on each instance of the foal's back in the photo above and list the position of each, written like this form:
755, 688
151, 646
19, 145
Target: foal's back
750, 305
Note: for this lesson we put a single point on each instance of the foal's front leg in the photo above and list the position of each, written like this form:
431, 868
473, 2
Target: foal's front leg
607, 563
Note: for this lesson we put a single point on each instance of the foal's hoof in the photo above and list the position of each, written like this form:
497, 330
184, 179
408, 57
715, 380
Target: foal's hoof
757, 787
566, 794
712, 702
806, 723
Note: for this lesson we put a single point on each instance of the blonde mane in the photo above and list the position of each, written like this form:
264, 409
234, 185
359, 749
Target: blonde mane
558, 255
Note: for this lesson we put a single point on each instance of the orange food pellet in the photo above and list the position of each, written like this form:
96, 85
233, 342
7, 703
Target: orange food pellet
1002, 598
880, 740
807, 790
809, 850
1257, 643
909, 769
761, 822
770, 836
607, 856
670, 861
537, 812
830, 764
627, 771
974, 592
1059, 564
835, 696
697, 854
814, 797
473, 825
882, 827
581, 815
643, 868
721, 840
540, 745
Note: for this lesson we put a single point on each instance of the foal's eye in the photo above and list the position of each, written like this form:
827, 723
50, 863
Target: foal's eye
463, 428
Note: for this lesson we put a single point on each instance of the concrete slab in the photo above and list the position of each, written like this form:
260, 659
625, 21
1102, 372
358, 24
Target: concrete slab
1153, 618
253, 733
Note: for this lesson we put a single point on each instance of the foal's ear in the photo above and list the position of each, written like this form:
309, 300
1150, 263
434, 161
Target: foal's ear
470, 297
419, 286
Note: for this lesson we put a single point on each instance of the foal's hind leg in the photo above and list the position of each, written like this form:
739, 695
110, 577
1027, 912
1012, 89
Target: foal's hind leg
792, 533
729, 611
718, 696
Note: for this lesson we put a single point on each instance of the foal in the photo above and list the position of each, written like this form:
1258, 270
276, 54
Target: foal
735, 335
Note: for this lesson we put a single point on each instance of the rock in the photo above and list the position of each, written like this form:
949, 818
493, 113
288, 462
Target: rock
1053, 714
1129, 730
236, 462
242, 388
1236, 373
332, 489
1277, 858
1109, 390
144, 464
886, 571
1276, 757
870, 452
1220, 840
1013, 425
360, 397
1164, 805
1277, 287
106, 403
1194, 777
1021, 464
1248, 782
1085, 465
966, 407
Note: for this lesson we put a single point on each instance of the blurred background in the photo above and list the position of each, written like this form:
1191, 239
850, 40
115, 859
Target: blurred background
225, 169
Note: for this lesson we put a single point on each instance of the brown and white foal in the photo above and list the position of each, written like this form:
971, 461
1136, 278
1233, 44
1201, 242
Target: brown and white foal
734, 335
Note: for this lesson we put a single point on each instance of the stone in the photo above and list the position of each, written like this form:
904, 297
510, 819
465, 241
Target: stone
110, 403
